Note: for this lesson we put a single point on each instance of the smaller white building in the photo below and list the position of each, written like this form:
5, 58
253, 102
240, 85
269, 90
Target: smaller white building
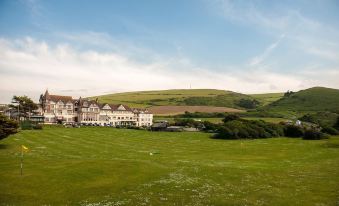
144, 117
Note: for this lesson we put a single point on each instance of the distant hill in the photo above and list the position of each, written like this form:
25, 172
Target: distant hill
178, 97
267, 98
308, 100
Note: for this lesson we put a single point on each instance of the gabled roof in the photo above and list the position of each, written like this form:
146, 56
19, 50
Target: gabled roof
140, 111
115, 107
105, 106
56, 98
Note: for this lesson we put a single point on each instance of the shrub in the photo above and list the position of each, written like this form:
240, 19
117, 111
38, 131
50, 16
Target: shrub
293, 131
330, 130
7, 127
210, 127
225, 133
230, 117
248, 103
336, 125
311, 134
26, 125
246, 129
37, 126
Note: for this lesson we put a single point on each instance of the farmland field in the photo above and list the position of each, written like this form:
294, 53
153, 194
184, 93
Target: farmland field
106, 166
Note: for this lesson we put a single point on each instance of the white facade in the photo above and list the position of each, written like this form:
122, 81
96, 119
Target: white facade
65, 109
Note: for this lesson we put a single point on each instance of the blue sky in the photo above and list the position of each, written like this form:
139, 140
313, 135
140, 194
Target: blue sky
96, 47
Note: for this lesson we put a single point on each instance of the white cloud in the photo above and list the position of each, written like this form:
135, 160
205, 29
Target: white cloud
305, 34
28, 66
260, 58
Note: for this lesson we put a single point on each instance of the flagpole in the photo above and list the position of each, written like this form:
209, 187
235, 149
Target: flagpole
21, 160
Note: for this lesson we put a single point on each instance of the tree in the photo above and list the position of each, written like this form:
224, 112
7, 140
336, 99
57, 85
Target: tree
288, 93
336, 125
24, 105
230, 117
248, 103
7, 127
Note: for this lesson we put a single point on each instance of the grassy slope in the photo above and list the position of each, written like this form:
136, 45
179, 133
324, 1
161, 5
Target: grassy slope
268, 98
309, 100
208, 97
113, 167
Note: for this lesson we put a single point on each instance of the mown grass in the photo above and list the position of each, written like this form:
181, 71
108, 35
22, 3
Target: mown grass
106, 166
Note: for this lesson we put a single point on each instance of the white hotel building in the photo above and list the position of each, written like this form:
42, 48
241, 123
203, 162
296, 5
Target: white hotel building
56, 108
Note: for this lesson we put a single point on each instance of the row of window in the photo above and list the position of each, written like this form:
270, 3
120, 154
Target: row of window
90, 109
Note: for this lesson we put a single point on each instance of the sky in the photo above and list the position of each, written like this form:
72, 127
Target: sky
86, 47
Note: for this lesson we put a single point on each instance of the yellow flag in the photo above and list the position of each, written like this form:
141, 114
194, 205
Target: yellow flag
23, 147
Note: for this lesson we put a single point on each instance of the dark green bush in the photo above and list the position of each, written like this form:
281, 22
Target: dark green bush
7, 126
330, 131
311, 134
37, 126
336, 125
26, 125
230, 117
248, 103
293, 131
246, 129
210, 127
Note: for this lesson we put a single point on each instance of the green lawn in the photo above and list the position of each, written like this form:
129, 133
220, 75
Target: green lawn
106, 166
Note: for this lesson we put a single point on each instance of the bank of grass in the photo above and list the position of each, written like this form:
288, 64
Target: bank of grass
106, 166
161, 97
267, 98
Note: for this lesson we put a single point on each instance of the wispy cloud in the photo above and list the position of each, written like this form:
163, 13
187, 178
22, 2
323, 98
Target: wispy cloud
30, 66
260, 58
305, 34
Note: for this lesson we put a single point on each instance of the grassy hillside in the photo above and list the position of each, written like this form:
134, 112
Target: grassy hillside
268, 98
308, 100
107, 166
182, 97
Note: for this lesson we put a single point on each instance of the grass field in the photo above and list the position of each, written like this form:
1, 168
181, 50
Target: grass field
106, 166
309, 100
161, 97
178, 97
268, 98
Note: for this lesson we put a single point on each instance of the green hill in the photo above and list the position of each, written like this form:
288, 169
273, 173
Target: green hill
309, 100
183, 97
267, 98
